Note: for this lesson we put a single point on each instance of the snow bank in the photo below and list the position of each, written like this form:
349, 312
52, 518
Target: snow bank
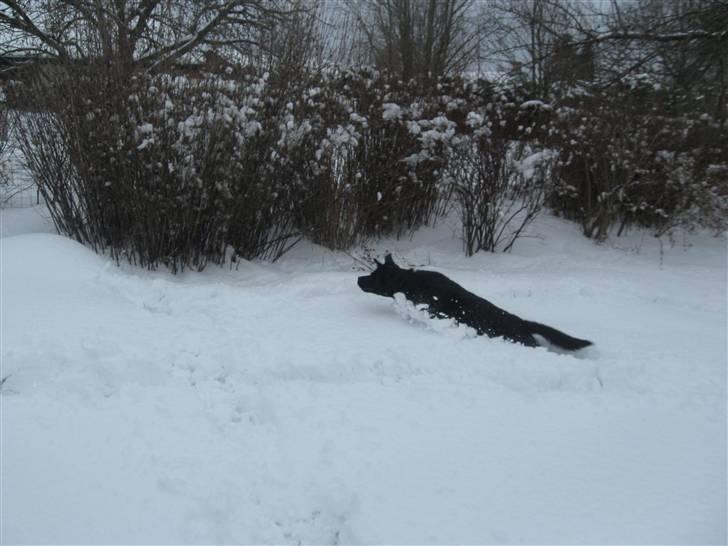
280, 404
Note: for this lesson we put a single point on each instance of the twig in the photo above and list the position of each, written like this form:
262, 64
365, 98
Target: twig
360, 261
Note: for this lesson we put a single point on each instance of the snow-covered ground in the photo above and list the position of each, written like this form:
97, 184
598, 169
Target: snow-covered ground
280, 404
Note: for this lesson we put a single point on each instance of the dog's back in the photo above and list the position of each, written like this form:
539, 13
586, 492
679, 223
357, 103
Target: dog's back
446, 298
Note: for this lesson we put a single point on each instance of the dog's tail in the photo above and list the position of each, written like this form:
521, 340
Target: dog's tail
556, 337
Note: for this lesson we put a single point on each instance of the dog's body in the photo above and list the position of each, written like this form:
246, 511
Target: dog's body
447, 299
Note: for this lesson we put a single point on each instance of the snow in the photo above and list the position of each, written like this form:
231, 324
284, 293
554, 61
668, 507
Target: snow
536, 104
278, 403
391, 111
536, 161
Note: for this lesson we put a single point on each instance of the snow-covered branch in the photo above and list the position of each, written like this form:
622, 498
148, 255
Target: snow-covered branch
656, 36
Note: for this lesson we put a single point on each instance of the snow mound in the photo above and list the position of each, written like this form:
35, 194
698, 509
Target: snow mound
44, 256
419, 314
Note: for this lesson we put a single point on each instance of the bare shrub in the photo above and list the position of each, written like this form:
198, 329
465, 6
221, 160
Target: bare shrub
4, 147
45, 144
498, 188
498, 170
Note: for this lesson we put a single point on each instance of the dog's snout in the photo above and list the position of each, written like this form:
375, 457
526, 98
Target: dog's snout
364, 283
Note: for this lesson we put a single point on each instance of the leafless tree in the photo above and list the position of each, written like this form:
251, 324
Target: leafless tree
420, 39
683, 42
534, 41
148, 33
300, 42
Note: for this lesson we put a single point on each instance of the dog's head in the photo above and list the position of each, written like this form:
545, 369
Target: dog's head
385, 280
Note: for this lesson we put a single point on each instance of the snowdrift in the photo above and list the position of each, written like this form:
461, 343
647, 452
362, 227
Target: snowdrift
280, 404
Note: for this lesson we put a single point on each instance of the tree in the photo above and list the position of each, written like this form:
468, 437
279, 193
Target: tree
418, 39
536, 41
133, 33
682, 44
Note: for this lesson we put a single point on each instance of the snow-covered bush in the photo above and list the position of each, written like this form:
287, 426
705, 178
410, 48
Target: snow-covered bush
182, 172
185, 171
628, 158
350, 134
498, 175
381, 150
400, 168
162, 170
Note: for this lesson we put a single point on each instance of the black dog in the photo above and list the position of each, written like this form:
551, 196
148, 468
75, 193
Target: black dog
447, 299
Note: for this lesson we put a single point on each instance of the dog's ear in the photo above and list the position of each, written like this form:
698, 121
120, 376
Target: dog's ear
388, 260
379, 264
